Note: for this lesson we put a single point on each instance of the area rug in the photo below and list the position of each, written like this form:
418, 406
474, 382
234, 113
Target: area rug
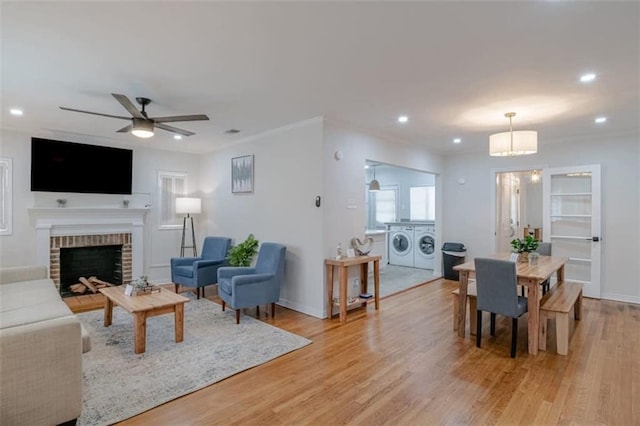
119, 384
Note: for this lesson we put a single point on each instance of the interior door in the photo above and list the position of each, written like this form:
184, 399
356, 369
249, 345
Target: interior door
572, 222
508, 210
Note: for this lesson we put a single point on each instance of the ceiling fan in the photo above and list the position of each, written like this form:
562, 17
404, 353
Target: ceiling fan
142, 125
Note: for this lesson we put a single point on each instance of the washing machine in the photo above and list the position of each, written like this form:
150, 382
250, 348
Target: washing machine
401, 245
425, 246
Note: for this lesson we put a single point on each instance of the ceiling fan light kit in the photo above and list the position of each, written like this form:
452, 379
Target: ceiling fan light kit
142, 125
522, 142
142, 128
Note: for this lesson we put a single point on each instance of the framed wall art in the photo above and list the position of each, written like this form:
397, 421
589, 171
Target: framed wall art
242, 174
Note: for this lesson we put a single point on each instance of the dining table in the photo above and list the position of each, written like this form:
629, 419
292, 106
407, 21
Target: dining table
529, 275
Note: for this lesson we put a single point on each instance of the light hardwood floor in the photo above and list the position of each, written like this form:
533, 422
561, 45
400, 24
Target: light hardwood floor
404, 365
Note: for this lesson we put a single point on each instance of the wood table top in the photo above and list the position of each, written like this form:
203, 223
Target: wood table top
348, 261
142, 303
545, 267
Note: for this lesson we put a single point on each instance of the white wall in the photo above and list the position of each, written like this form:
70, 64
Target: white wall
343, 181
468, 209
20, 247
287, 179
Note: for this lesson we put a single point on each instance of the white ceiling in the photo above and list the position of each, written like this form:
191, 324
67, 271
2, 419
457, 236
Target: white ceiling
454, 68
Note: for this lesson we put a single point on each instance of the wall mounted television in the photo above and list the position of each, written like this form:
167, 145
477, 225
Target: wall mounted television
58, 166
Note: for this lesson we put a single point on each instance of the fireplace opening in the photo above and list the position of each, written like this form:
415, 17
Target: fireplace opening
102, 262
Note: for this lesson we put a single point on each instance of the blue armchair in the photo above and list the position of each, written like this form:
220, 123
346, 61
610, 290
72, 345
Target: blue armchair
201, 271
242, 287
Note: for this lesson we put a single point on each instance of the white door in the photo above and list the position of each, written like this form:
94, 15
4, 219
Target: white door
572, 222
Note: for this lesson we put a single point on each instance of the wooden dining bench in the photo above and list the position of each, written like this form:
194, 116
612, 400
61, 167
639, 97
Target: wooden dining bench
472, 297
556, 304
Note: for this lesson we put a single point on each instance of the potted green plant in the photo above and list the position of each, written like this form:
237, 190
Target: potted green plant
524, 247
242, 253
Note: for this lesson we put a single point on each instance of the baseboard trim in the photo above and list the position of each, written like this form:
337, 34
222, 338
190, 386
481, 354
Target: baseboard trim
621, 298
301, 308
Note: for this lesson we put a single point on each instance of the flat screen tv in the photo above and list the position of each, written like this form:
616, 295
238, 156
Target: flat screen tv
58, 166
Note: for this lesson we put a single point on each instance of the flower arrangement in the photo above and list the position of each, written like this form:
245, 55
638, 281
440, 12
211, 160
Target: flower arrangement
140, 282
528, 244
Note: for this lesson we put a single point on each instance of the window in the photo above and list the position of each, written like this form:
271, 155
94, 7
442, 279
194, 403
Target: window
422, 200
6, 196
384, 207
170, 186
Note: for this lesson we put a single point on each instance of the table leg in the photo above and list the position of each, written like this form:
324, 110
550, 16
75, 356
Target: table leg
179, 319
329, 291
560, 275
343, 274
376, 282
533, 301
108, 311
462, 301
140, 331
364, 279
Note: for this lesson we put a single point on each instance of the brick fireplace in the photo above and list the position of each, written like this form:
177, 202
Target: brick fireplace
111, 244
62, 228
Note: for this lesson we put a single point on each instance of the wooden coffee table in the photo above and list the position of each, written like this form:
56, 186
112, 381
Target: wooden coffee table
143, 307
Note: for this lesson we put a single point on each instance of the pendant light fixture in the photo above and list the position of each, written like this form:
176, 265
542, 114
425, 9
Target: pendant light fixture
374, 185
512, 143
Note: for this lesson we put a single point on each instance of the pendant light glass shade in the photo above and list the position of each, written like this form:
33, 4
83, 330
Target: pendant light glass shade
512, 143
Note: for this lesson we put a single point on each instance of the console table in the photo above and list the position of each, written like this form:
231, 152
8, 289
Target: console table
343, 275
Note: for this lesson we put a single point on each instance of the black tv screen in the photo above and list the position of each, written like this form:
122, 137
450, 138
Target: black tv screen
58, 166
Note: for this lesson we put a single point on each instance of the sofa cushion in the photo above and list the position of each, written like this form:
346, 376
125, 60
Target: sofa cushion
184, 271
27, 293
33, 313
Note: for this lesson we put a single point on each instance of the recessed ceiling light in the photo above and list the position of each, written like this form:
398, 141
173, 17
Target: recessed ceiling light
177, 137
587, 77
403, 119
15, 111
457, 140
600, 120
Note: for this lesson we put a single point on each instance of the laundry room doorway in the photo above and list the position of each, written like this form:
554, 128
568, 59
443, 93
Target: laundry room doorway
400, 208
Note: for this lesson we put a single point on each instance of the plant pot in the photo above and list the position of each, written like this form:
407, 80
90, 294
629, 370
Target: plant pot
523, 257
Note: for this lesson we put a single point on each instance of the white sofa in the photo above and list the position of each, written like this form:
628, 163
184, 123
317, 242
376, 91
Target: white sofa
41, 347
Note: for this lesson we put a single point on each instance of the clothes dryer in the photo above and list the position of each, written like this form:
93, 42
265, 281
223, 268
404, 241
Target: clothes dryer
401, 245
425, 246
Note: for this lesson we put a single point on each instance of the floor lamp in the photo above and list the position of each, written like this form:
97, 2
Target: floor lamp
188, 206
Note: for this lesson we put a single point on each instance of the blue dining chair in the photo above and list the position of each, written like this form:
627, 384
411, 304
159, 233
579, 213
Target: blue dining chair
243, 287
201, 271
497, 293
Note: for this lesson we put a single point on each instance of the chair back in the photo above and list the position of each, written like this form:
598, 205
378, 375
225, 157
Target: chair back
215, 247
544, 249
496, 282
271, 259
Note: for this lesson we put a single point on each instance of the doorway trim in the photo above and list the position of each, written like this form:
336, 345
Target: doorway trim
492, 196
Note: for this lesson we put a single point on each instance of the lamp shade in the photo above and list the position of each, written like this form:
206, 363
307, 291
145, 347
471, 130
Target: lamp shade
186, 205
374, 185
521, 142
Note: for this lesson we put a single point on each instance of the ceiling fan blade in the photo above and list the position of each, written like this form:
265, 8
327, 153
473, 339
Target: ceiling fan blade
95, 113
193, 117
128, 105
125, 129
174, 129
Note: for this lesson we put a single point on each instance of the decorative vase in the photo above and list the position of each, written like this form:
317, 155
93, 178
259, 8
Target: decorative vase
533, 257
523, 257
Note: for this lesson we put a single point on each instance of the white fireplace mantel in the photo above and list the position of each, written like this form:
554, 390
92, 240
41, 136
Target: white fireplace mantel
89, 221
